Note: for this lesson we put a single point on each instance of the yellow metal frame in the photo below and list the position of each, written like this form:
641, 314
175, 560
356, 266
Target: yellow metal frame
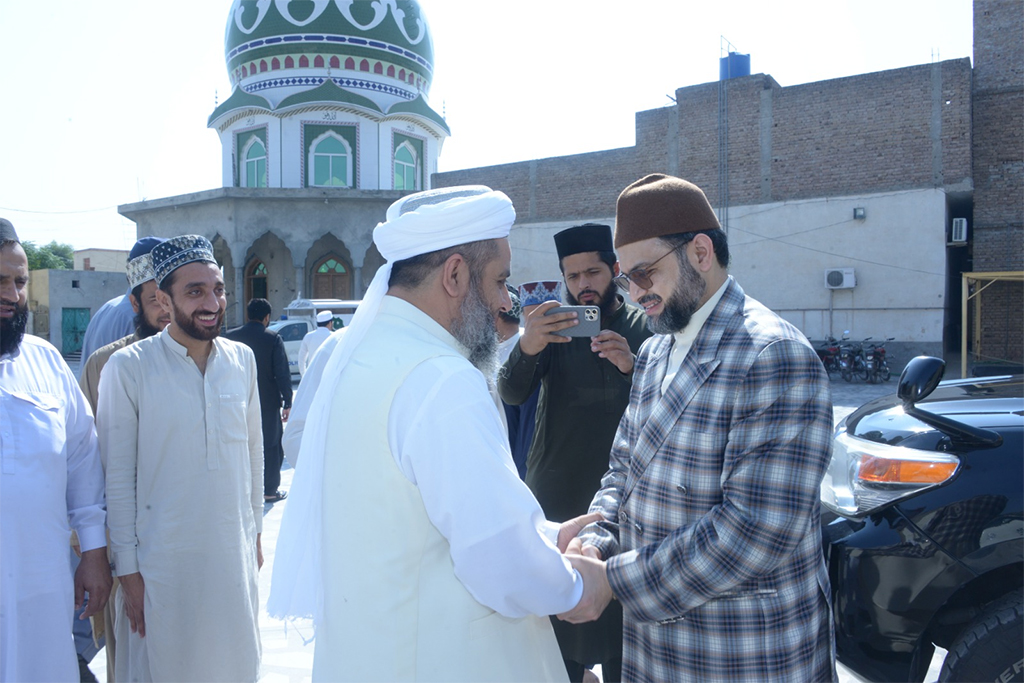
986, 278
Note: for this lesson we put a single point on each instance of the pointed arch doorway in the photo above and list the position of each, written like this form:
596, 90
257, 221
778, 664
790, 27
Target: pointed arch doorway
332, 279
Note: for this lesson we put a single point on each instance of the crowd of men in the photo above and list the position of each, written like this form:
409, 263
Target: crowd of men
509, 502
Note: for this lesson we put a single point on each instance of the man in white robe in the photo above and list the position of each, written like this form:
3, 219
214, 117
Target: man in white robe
313, 339
179, 428
51, 475
445, 574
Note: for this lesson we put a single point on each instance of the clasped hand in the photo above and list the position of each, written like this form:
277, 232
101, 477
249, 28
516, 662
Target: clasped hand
587, 560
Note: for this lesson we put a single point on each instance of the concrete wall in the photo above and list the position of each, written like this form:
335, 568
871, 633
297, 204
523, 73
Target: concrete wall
109, 260
93, 289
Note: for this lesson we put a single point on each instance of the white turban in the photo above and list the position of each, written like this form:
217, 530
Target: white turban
418, 224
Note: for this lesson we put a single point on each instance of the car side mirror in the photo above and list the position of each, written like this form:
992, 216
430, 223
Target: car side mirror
920, 378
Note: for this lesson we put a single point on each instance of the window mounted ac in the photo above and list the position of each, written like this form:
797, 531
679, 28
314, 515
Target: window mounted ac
958, 235
840, 278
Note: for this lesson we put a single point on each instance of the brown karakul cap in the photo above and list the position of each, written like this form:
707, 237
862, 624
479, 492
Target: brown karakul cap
659, 205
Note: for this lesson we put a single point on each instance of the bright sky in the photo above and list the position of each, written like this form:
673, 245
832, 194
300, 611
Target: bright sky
105, 103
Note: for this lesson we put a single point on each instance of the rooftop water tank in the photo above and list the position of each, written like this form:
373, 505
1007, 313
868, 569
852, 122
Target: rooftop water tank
733, 66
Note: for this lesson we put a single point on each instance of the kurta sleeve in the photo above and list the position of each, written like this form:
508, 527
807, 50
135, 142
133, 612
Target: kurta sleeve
449, 441
117, 423
85, 489
254, 425
519, 377
89, 382
778, 448
282, 375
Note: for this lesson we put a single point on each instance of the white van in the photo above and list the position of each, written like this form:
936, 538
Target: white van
300, 318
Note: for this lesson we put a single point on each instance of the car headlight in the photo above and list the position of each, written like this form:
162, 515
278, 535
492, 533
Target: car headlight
865, 476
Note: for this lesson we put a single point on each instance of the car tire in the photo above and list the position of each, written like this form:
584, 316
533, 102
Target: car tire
991, 648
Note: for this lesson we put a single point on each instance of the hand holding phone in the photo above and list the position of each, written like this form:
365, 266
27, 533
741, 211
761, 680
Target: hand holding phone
542, 329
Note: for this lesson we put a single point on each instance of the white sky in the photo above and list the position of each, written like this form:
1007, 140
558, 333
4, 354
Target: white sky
105, 102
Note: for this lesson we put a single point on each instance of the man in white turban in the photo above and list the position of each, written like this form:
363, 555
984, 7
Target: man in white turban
435, 558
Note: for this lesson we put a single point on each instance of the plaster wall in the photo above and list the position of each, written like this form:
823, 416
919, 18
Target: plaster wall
110, 260
94, 289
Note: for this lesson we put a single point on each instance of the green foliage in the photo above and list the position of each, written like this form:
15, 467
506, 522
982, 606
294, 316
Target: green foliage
54, 256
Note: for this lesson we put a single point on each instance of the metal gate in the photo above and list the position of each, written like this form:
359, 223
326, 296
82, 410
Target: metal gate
72, 326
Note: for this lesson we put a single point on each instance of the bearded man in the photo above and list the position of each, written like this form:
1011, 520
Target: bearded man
584, 387
179, 427
710, 535
442, 579
51, 483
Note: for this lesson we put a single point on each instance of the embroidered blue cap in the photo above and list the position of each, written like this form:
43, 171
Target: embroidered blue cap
178, 251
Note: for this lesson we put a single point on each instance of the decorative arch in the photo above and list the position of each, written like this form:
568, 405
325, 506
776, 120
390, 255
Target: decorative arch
335, 62
391, 70
350, 64
263, 65
255, 280
318, 62
378, 68
407, 167
254, 163
278, 273
303, 62
289, 62
245, 72
364, 65
330, 284
275, 64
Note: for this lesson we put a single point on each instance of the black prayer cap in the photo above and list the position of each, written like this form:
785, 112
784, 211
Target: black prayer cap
7, 233
583, 238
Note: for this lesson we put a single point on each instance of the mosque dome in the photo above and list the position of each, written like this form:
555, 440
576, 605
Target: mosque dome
379, 49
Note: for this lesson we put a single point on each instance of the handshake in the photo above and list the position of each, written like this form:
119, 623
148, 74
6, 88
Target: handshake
587, 560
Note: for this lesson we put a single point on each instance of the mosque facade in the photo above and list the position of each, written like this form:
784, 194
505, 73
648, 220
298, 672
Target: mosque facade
326, 125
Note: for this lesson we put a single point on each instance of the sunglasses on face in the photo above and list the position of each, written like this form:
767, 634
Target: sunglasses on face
641, 277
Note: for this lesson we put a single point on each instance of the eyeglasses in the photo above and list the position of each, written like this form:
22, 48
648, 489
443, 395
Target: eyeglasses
641, 277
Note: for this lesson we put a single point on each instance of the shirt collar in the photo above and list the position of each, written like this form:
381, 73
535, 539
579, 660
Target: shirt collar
173, 345
700, 316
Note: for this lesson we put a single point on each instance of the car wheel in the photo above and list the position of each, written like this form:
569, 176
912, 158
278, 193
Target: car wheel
990, 648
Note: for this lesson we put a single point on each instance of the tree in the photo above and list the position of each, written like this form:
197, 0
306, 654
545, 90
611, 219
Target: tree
54, 256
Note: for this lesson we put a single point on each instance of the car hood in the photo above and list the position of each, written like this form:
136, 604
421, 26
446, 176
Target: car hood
995, 403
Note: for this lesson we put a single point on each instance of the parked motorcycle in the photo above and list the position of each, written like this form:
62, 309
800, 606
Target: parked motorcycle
851, 361
828, 353
876, 368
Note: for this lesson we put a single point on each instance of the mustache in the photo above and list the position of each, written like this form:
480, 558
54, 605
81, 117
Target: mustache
649, 298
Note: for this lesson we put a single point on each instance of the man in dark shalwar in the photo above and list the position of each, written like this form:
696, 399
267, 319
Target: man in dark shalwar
585, 385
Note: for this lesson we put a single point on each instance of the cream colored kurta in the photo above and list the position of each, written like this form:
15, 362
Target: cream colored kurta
184, 463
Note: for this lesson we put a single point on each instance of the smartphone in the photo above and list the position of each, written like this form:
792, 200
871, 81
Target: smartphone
589, 318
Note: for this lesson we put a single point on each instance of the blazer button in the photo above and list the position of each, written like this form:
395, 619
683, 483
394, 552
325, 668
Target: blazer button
681, 488
639, 529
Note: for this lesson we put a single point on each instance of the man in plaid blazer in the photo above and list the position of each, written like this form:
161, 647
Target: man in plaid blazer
711, 534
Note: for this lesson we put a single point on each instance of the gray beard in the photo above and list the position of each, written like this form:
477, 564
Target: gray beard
477, 331
680, 305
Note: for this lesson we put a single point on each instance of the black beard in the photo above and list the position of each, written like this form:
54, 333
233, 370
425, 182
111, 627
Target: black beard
477, 330
680, 306
190, 327
607, 301
12, 330
143, 329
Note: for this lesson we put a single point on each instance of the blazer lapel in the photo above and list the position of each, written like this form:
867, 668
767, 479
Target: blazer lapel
697, 367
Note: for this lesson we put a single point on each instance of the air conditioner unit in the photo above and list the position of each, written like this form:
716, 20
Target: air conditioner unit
840, 278
958, 235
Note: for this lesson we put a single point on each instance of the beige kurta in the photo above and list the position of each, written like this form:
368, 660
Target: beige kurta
184, 464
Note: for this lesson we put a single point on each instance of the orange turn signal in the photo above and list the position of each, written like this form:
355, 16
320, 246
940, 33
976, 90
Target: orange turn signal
891, 471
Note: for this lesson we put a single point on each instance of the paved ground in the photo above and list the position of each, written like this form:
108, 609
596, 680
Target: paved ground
288, 657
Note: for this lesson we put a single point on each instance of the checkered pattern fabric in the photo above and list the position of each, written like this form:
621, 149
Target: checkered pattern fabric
140, 270
177, 251
715, 548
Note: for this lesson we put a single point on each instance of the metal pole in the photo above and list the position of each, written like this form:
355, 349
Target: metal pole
963, 327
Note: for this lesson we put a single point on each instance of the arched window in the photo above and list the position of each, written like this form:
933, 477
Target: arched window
289, 62
263, 65
391, 70
350, 64
335, 62
364, 65
330, 162
275, 64
331, 279
303, 62
254, 164
255, 281
318, 62
378, 68
407, 168
245, 72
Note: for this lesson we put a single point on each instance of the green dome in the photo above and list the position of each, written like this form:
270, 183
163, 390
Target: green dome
383, 45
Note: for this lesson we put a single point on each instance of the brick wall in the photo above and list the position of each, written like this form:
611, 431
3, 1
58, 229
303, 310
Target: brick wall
998, 136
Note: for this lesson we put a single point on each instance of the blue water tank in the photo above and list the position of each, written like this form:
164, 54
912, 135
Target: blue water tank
733, 66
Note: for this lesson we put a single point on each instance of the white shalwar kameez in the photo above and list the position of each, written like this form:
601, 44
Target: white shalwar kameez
51, 474
184, 460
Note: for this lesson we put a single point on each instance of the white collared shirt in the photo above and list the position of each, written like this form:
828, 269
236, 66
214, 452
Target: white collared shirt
683, 340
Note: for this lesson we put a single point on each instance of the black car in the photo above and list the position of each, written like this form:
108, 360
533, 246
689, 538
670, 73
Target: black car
924, 532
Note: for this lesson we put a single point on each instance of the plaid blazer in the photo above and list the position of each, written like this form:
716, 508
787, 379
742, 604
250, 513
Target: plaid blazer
711, 501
